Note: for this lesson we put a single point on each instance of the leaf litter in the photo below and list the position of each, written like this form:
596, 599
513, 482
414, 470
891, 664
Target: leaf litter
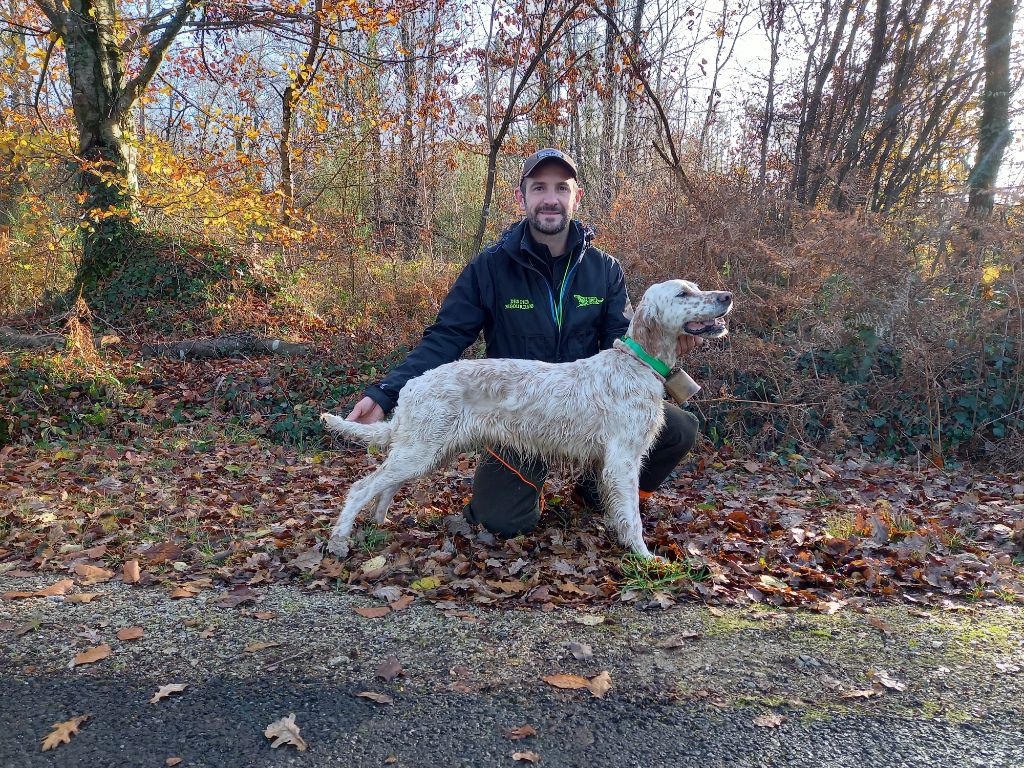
800, 530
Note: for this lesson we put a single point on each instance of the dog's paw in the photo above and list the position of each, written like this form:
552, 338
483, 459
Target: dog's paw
339, 546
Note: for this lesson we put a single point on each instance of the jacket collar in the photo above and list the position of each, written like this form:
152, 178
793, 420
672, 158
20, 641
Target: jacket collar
515, 241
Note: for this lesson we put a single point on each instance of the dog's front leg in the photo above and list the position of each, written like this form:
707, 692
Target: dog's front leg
620, 479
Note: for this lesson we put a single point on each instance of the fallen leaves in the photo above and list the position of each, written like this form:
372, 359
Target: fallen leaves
91, 574
130, 572
679, 640
389, 670
62, 732
520, 732
285, 731
374, 612
166, 690
380, 698
61, 587
255, 647
598, 685
580, 651
769, 720
92, 655
130, 633
528, 756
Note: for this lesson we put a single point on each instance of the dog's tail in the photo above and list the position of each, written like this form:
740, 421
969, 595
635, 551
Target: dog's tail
371, 434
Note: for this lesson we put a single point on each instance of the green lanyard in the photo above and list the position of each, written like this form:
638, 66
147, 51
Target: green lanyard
557, 312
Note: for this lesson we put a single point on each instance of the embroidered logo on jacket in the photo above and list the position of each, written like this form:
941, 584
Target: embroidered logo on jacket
519, 304
586, 301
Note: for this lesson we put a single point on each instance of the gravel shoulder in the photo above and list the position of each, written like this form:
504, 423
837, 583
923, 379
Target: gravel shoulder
467, 673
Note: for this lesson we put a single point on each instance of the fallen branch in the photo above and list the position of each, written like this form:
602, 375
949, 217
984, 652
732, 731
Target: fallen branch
12, 339
224, 346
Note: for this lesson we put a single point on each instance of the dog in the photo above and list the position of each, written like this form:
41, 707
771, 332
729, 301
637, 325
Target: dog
603, 412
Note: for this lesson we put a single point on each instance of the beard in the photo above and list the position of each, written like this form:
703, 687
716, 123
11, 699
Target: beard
538, 223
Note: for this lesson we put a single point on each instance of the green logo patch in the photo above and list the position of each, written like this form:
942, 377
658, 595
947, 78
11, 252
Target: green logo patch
586, 301
519, 304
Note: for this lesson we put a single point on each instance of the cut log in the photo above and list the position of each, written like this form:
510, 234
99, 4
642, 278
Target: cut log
242, 345
12, 339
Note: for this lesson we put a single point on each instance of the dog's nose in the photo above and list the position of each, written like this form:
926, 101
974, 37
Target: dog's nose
725, 298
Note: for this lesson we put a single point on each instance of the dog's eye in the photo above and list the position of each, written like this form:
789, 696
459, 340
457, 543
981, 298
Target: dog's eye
682, 295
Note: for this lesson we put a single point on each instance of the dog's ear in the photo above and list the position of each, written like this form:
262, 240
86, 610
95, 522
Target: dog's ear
643, 327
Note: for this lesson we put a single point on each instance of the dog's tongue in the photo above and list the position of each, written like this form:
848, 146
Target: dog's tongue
697, 327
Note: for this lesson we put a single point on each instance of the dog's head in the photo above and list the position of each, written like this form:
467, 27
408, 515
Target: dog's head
676, 307
679, 306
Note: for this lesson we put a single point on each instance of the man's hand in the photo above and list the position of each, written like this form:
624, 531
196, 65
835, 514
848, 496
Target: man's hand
366, 412
686, 343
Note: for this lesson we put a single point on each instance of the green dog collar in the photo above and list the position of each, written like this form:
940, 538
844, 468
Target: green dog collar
654, 362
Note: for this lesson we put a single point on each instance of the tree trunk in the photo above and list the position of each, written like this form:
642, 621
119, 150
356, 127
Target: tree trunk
994, 132
630, 143
879, 47
772, 16
809, 127
408, 180
102, 99
608, 111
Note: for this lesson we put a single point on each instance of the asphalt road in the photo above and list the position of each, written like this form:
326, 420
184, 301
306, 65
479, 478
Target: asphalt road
220, 723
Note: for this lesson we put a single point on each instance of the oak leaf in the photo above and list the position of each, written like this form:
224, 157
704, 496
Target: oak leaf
285, 731
600, 684
166, 690
62, 732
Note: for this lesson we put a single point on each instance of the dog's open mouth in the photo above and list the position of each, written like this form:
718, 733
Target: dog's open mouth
716, 327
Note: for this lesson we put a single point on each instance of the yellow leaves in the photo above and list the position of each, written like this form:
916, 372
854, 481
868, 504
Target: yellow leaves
425, 584
62, 732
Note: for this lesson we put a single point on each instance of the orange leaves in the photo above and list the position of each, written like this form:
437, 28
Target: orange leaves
91, 656
62, 732
61, 587
598, 685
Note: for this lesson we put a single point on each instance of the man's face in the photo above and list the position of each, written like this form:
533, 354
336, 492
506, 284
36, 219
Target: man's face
549, 197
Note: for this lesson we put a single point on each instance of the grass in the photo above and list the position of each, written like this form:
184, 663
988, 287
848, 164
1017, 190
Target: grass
641, 575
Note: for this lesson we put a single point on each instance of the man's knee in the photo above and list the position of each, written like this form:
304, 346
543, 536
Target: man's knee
680, 431
506, 494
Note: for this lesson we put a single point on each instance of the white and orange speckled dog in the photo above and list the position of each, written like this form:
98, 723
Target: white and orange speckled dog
603, 411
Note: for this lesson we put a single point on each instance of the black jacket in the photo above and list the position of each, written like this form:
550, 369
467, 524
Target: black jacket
507, 292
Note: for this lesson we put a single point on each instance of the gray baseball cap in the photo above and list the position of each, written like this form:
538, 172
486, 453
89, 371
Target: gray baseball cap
543, 155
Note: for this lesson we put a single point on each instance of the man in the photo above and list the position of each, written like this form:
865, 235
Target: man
542, 292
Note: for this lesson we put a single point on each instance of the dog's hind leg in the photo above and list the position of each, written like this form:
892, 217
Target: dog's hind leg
384, 500
621, 491
403, 463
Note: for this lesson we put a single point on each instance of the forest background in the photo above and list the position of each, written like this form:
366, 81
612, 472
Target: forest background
320, 171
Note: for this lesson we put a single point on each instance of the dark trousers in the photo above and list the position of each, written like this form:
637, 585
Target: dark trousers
507, 487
